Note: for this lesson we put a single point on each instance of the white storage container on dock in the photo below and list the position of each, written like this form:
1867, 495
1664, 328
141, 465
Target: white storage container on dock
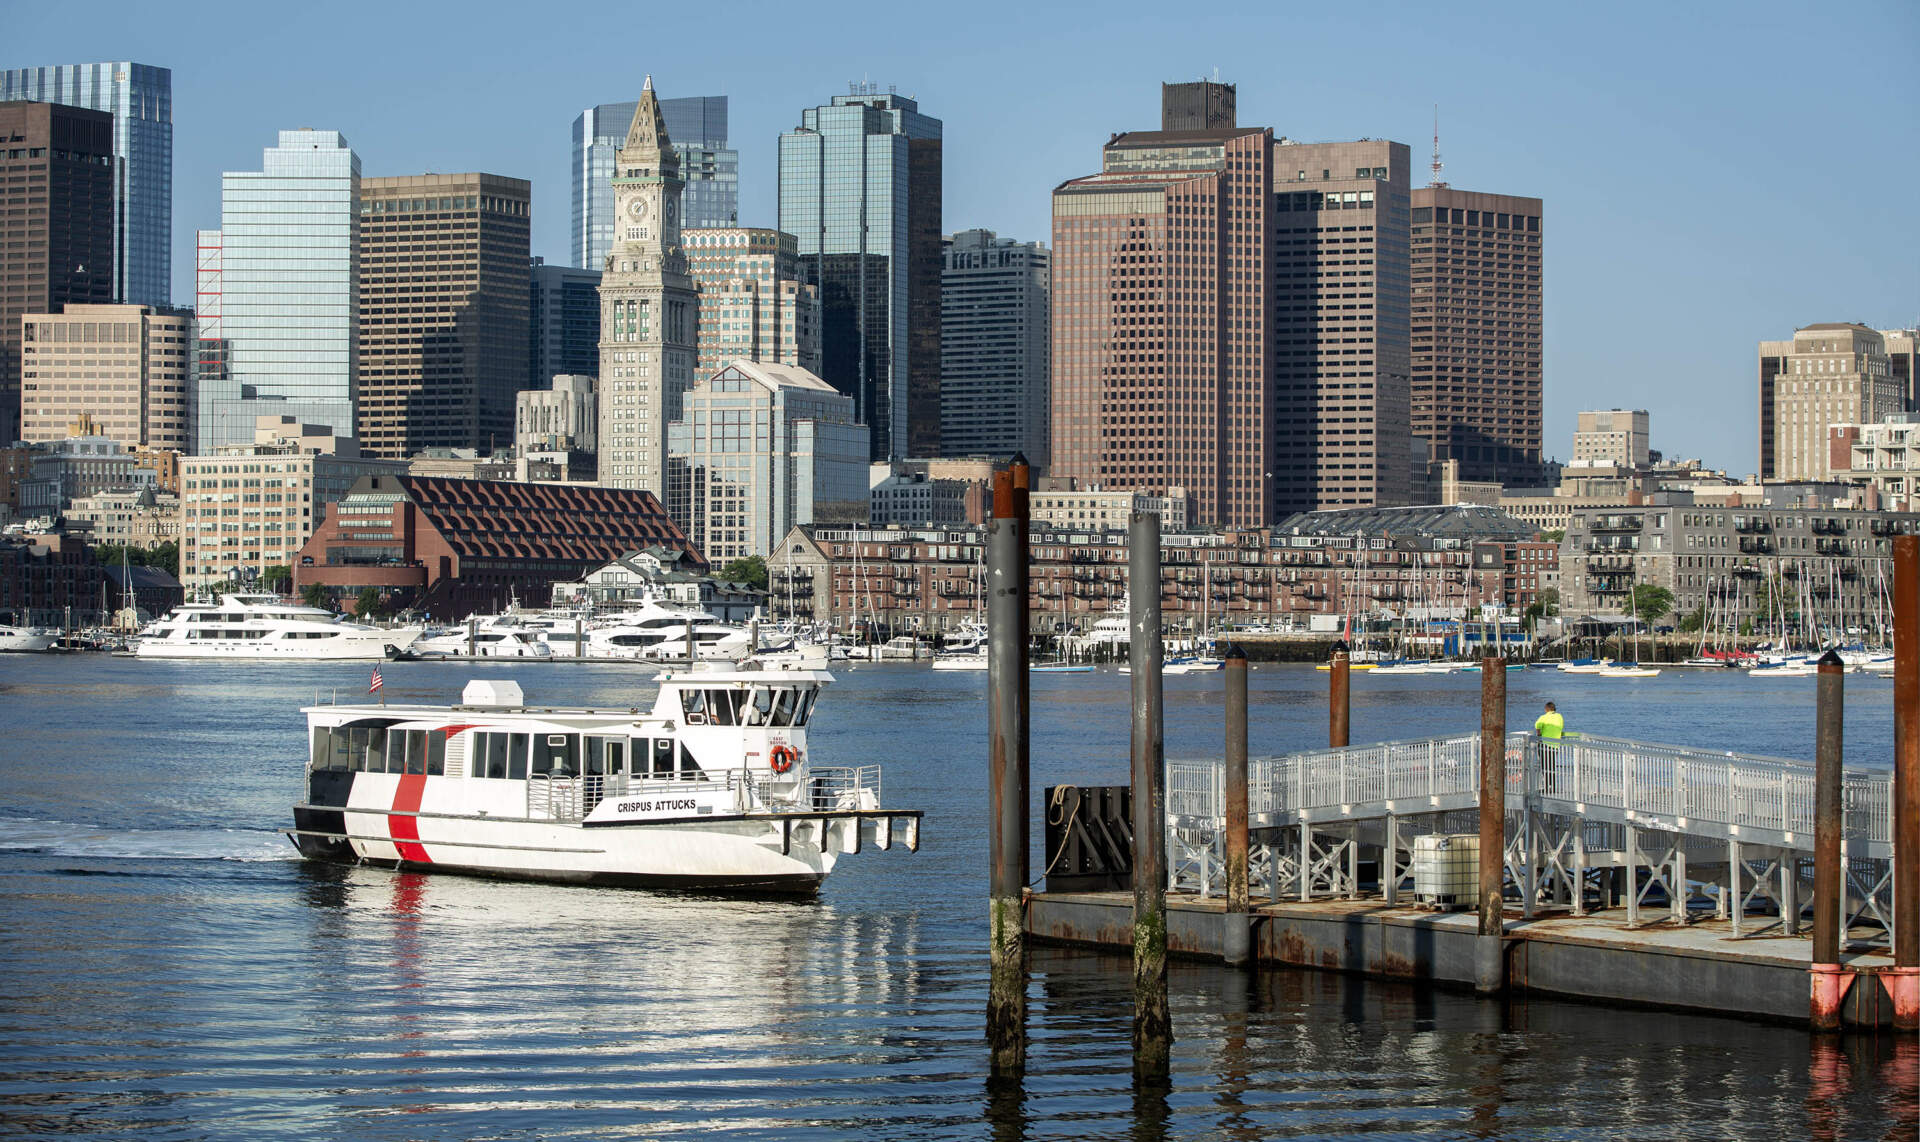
1446, 869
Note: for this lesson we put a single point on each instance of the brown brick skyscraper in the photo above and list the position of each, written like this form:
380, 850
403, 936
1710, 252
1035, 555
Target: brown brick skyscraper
1230, 316
56, 224
1476, 331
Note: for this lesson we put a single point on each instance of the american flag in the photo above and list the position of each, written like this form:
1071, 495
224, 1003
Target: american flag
376, 683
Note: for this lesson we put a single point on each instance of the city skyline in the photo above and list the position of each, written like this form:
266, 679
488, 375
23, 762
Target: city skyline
1616, 147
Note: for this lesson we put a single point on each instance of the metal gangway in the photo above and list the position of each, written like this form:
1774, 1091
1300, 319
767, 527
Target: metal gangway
1591, 822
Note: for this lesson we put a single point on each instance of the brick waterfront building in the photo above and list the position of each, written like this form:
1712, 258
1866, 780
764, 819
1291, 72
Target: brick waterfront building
50, 580
450, 548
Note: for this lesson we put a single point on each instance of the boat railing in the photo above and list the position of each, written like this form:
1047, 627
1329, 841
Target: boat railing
571, 798
841, 788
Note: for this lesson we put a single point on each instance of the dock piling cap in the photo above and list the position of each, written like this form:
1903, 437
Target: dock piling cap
492, 692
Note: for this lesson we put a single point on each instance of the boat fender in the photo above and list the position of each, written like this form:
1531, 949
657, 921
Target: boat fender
782, 758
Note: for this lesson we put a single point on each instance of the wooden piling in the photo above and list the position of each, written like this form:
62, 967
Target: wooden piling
1007, 618
1235, 934
1490, 957
1339, 697
1903, 980
1829, 983
1152, 1025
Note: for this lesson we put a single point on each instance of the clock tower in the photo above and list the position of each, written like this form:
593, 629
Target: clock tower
647, 309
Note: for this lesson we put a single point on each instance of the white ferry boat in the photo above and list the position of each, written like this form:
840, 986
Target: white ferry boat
714, 788
266, 626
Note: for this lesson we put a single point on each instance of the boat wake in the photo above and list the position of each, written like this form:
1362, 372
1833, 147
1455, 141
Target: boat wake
27, 835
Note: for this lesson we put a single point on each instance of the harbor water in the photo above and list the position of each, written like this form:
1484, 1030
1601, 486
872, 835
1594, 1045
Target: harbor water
171, 971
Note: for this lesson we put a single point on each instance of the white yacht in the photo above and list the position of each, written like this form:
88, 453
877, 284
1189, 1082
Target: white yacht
715, 788
485, 638
25, 640
269, 627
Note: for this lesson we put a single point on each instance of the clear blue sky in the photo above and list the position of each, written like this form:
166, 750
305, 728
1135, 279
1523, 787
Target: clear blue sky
1714, 174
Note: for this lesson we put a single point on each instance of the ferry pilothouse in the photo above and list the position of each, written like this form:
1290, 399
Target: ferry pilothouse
714, 788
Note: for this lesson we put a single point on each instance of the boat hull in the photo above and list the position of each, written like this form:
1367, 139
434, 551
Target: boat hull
347, 648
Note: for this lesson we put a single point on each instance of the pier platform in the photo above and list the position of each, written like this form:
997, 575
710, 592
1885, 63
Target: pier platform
1698, 966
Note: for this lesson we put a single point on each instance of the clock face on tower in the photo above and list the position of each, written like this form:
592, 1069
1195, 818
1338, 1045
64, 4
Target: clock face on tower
638, 208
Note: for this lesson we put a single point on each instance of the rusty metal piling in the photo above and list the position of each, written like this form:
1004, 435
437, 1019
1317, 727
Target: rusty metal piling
1339, 697
1829, 983
1152, 1025
1235, 933
1490, 957
1903, 980
1007, 617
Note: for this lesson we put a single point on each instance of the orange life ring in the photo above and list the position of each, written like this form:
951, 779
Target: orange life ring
782, 758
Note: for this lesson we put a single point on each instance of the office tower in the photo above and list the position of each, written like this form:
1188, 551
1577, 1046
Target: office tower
56, 231
124, 368
443, 311
1230, 317
753, 304
708, 168
1617, 437
1476, 332
563, 323
289, 291
1199, 106
140, 99
994, 348
1828, 374
761, 448
563, 418
647, 309
860, 190
210, 369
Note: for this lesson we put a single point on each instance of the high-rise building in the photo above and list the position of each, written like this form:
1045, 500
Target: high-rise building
289, 291
125, 368
140, 98
1476, 332
210, 369
754, 306
994, 348
648, 309
761, 448
563, 323
860, 191
1199, 106
711, 171
1616, 437
1230, 317
56, 231
1828, 374
443, 311
563, 418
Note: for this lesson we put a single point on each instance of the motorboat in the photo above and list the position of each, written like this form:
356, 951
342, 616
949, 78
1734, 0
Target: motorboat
16, 639
484, 639
1586, 666
1059, 668
267, 627
1629, 670
1418, 667
714, 788
970, 637
961, 660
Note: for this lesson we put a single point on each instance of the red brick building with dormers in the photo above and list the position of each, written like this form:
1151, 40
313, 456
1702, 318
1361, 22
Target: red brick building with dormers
450, 548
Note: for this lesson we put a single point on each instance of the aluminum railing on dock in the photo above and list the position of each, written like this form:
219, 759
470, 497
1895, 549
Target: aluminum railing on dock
1730, 830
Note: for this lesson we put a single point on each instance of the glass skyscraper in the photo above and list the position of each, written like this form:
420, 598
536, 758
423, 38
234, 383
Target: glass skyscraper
860, 191
698, 127
289, 291
140, 98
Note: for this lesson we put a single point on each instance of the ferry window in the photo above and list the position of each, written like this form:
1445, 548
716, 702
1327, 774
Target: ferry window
322, 749
490, 755
807, 697
661, 758
783, 704
516, 757
555, 753
606, 756
689, 768
436, 753
377, 752
693, 703
356, 749
416, 751
720, 707
760, 707
338, 754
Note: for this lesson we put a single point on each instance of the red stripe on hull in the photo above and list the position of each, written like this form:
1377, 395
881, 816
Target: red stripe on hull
405, 830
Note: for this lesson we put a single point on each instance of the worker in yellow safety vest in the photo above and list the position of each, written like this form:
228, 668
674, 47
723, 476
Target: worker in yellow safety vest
1550, 724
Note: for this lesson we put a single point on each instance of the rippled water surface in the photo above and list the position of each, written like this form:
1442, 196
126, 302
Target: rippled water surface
168, 970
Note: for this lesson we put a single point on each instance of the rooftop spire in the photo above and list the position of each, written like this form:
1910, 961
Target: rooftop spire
648, 85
